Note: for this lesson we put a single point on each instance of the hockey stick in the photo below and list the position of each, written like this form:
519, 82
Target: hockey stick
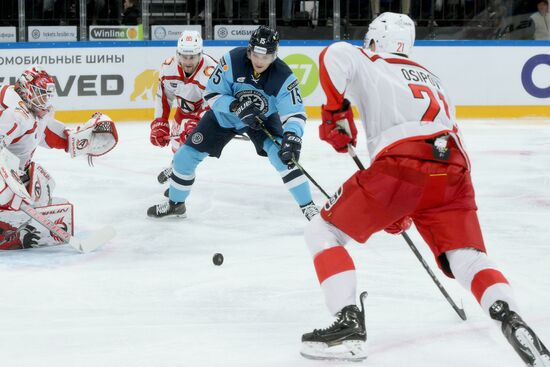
11, 178
89, 244
351, 151
293, 160
459, 311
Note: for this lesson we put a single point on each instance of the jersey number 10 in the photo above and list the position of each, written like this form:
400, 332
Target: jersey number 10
421, 92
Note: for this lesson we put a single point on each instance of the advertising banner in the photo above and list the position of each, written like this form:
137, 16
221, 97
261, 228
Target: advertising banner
233, 32
490, 81
52, 33
7, 34
171, 32
115, 33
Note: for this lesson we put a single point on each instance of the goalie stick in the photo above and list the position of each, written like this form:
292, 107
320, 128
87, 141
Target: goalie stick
89, 244
11, 177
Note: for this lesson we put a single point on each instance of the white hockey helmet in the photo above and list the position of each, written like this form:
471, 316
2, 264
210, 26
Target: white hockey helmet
190, 43
392, 33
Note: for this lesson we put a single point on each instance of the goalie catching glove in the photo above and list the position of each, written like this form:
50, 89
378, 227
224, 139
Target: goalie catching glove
96, 137
338, 128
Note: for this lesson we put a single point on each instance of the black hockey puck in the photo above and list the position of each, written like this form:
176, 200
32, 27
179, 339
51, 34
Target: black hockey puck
217, 259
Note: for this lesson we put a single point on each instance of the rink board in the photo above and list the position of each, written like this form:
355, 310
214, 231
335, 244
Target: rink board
486, 79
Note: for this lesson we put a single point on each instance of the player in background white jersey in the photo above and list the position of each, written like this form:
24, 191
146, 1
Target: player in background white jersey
419, 173
182, 81
26, 121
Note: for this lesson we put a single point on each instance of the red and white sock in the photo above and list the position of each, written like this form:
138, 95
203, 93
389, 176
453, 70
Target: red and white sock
334, 266
336, 274
477, 273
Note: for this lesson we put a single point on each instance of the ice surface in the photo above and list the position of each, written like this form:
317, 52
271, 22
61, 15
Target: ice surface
152, 297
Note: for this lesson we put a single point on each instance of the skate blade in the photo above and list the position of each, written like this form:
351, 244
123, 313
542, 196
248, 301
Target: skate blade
350, 351
527, 340
174, 217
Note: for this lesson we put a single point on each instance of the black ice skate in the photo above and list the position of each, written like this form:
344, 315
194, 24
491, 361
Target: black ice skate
164, 175
345, 340
167, 209
309, 210
520, 336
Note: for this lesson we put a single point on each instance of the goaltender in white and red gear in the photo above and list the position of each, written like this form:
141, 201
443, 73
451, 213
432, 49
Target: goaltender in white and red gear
26, 122
182, 81
418, 172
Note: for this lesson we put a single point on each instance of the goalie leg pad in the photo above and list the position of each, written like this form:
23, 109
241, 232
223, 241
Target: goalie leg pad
17, 231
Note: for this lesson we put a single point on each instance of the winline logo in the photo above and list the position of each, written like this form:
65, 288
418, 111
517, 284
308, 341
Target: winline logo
113, 33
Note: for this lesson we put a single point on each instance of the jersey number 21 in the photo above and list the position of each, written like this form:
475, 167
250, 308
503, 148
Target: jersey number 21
421, 92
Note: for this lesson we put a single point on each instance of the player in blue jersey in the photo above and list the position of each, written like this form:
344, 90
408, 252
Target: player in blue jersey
249, 90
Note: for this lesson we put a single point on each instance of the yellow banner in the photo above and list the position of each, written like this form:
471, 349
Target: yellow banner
314, 112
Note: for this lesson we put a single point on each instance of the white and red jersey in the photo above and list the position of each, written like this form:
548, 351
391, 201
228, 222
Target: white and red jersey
21, 131
398, 99
184, 92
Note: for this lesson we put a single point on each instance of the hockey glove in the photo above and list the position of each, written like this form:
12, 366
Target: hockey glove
399, 226
338, 128
188, 128
290, 149
249, 114
160, 132
96, 137
29, 236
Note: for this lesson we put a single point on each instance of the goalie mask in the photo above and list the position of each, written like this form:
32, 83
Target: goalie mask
189, 50
392, 33
36, 88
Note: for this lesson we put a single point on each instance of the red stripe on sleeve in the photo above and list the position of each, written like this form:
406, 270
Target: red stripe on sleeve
12, 129
484, 279
332, 261
55, 141
165, 105
2, 93
334, 98
28, 132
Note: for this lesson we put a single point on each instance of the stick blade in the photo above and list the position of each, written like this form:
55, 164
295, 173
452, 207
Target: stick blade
95, 240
